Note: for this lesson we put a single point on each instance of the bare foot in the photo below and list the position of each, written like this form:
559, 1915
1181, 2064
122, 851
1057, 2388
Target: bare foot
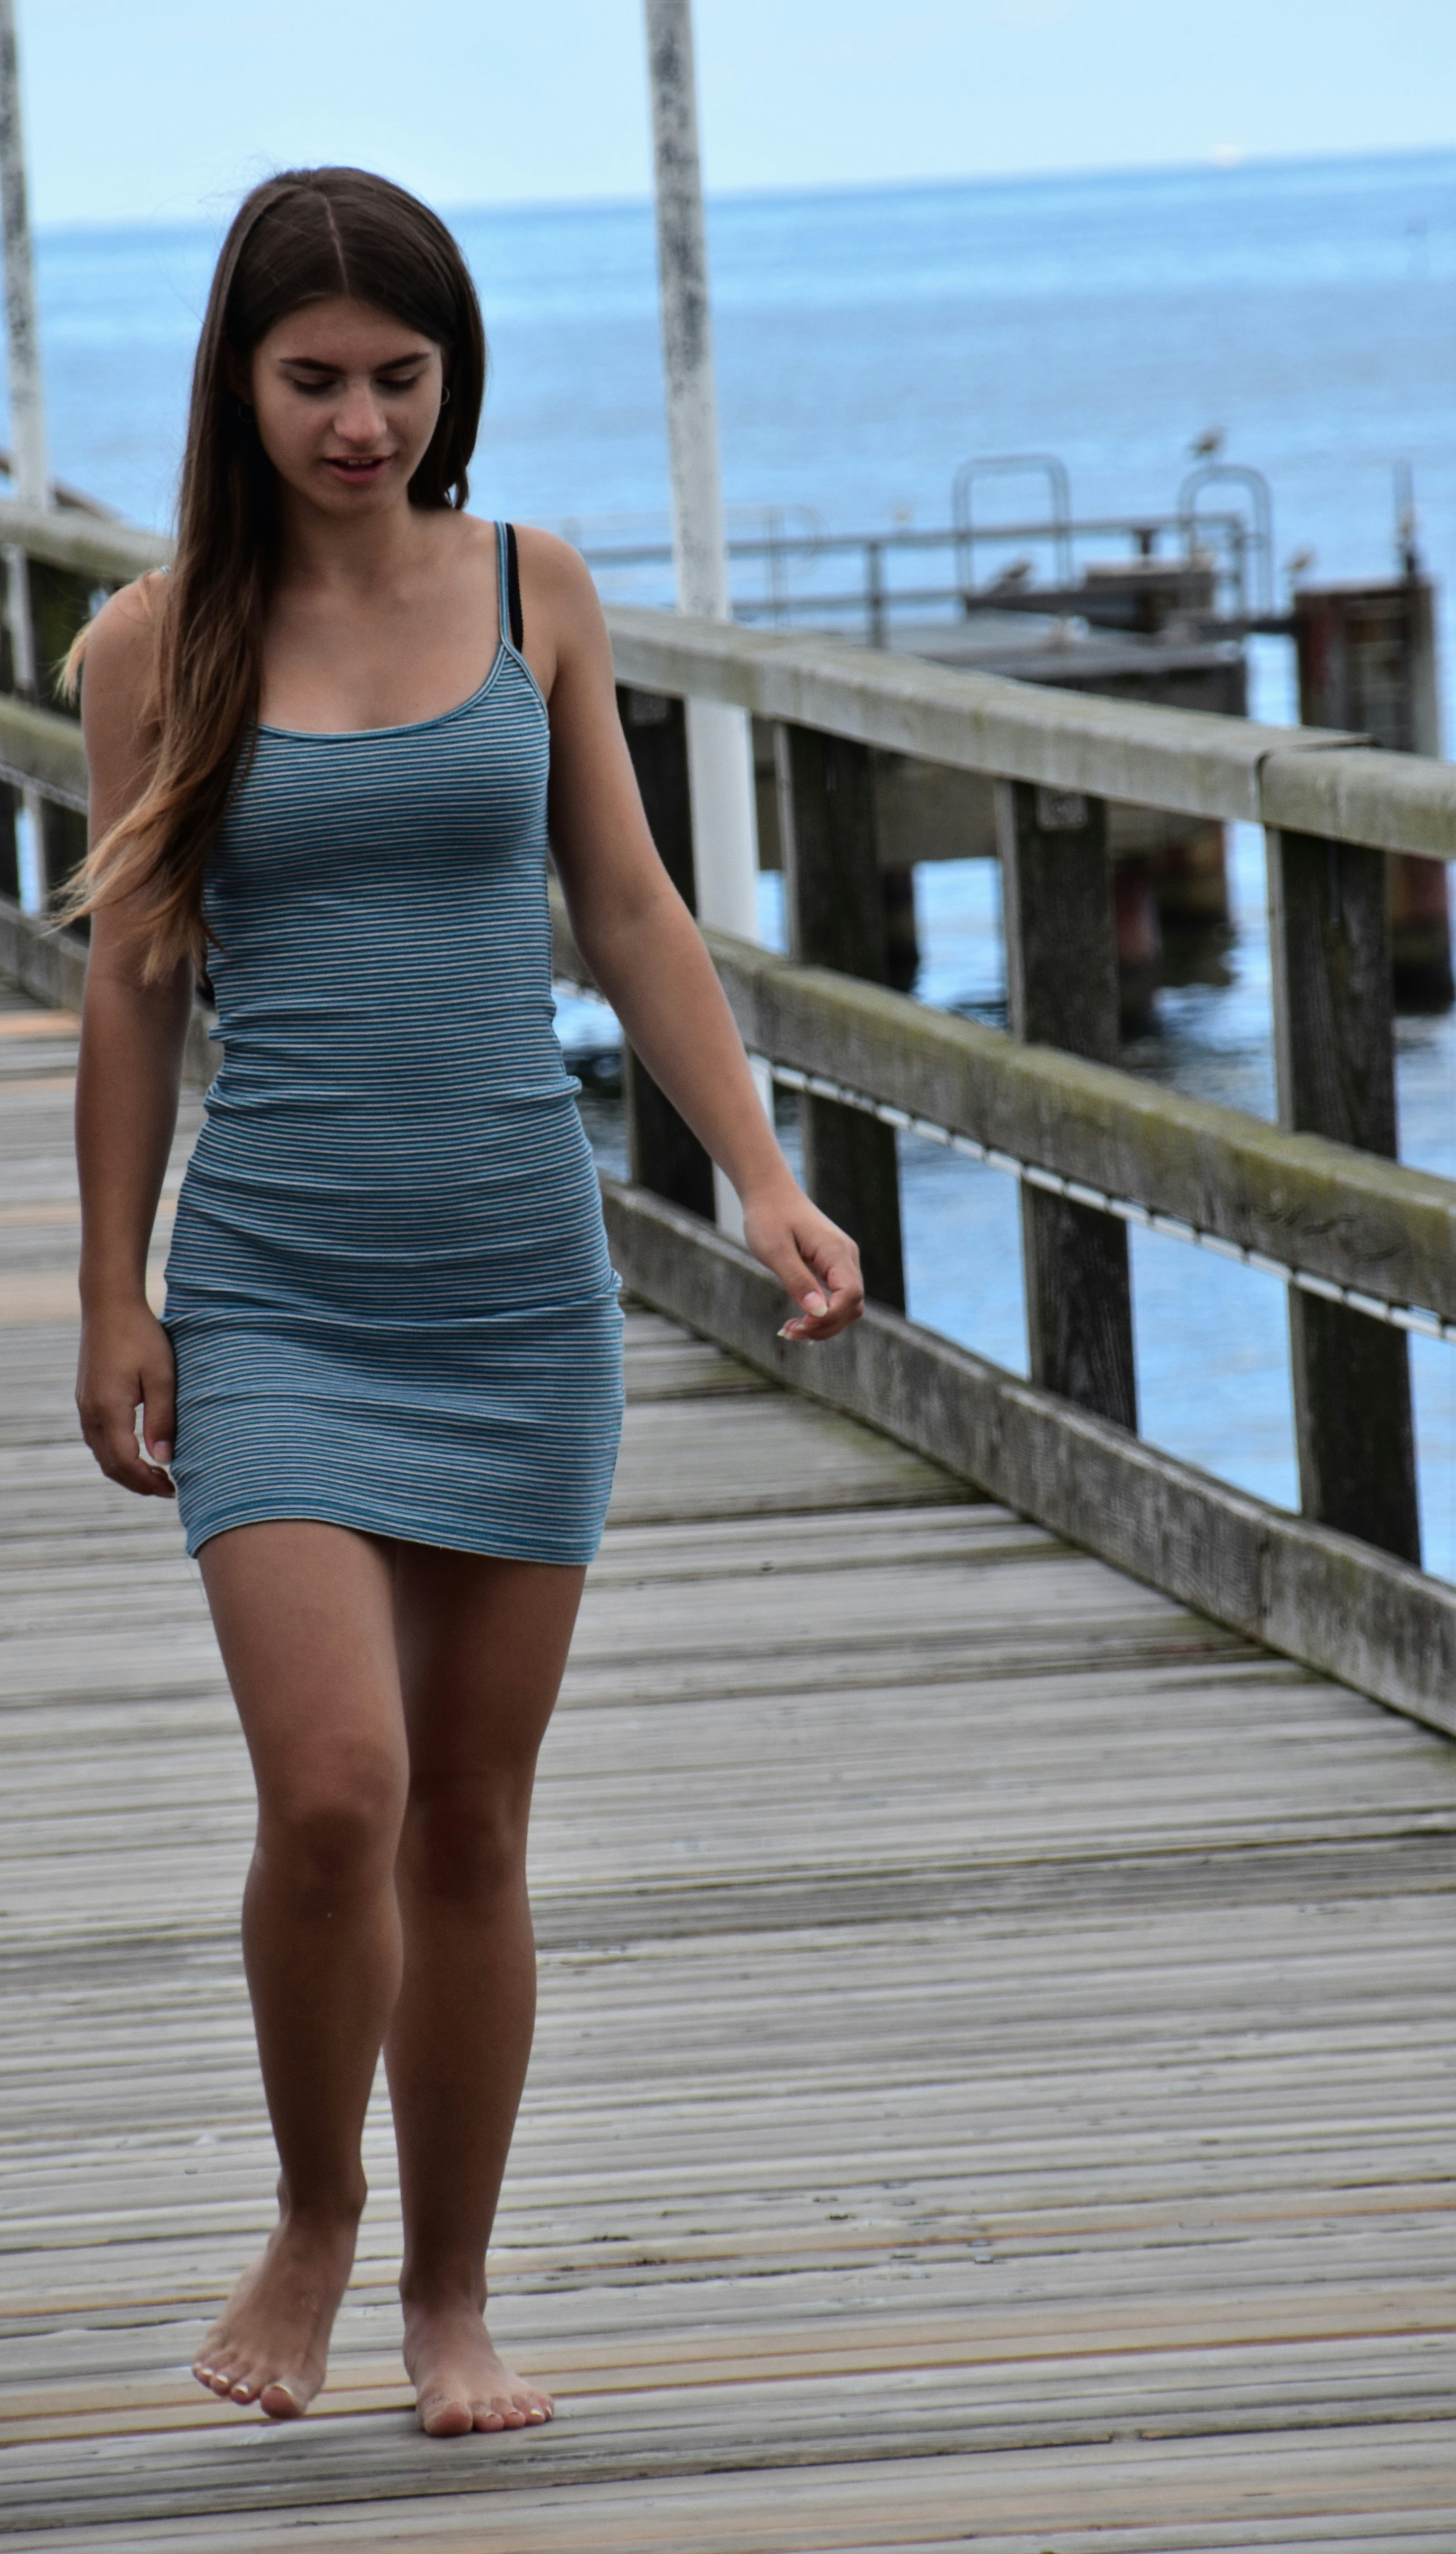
460, 2383
270, 2344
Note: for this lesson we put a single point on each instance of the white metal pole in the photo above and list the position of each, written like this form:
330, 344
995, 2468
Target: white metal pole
29, 475
720, 745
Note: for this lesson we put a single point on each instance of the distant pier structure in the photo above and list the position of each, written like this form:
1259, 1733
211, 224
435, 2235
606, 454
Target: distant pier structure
1164, 623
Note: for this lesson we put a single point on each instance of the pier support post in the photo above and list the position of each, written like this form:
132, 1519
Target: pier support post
663, 1153
1367, 659
29, 475
719, 752
1061, 989
836, 913
1335, 1054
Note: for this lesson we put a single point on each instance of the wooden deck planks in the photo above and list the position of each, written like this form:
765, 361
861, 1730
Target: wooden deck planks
996, 2057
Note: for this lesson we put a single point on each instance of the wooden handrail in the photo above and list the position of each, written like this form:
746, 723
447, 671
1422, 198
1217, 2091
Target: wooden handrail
1342, 1214
1365, 1242
1193, 762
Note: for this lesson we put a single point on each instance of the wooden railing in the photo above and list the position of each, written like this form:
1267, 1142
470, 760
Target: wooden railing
1365, 1246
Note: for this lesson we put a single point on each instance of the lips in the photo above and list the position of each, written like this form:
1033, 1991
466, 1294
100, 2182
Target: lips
359, 472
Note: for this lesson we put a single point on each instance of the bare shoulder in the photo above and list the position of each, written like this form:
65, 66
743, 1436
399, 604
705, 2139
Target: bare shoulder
555, 572
118, 698
564, 622
120, 655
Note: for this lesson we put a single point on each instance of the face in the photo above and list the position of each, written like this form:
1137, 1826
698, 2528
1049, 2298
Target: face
346, 400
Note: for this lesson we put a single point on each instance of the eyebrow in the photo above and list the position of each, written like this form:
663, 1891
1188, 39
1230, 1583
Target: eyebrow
317, 364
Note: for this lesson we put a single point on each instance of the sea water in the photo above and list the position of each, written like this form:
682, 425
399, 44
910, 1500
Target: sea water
868, 342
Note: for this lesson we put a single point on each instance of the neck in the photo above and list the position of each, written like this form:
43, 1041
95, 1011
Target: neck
319, 548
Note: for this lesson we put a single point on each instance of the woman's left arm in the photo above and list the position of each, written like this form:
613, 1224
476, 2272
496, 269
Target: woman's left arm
647, 955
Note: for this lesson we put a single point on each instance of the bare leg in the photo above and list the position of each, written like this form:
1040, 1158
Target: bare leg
482, 1646
305, 1616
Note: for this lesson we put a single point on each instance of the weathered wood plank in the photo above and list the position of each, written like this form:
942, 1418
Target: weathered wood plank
994, 2047
1322, 1598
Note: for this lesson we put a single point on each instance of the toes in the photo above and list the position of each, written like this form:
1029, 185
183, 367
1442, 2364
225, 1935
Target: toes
446, 2420
503, 2413
279, 2400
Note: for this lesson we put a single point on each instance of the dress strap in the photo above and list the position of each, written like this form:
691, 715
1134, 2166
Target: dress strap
512, 620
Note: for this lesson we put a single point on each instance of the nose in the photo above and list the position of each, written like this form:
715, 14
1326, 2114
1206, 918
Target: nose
359, 418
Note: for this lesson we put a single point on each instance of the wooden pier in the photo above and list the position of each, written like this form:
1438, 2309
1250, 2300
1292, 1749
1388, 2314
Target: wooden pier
994, 2081
994, 1880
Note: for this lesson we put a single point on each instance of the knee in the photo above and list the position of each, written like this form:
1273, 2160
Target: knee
468, 1842
336, 1835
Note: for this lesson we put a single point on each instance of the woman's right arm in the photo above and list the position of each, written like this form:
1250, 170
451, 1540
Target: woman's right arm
126, 1088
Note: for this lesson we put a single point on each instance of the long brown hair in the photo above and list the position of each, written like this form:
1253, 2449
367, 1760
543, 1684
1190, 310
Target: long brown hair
309, 235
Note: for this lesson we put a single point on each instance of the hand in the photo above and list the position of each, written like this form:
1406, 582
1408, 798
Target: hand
817, 1262
126, 1359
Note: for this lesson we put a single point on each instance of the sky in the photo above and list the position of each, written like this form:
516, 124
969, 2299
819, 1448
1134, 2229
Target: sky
165, 110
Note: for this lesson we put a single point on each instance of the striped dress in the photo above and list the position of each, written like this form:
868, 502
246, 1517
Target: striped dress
388, 1289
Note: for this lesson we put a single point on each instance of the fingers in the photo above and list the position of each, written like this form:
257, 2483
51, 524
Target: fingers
158, 1416
817, 1263
830, 1308
125, 1365
111, 1432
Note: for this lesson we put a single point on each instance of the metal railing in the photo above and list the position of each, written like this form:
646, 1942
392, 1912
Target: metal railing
790, 561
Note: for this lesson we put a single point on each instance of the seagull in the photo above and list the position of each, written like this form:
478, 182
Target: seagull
1205, 445
1300, 564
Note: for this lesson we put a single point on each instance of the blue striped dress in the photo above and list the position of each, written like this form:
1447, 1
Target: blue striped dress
388, 1289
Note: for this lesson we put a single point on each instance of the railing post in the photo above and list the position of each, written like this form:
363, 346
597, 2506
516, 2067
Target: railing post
663, 1153
1061, 987
1335, 1054
874, 568
836, 912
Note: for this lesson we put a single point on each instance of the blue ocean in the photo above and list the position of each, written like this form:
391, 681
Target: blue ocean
867, 343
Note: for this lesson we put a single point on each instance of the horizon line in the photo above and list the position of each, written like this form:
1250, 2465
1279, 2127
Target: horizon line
1226, 161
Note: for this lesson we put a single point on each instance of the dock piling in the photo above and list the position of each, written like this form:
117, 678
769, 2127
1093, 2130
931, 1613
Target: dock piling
1367, 659
29, 475
1335, 1058
665, 1154
1063, 991
835, 910
720, 754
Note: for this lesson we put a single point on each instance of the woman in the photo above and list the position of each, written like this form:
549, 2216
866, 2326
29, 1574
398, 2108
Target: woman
324, 752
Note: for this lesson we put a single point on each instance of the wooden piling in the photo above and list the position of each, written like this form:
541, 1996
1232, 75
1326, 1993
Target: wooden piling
836, 911
664, 1153
1335, 1054
1367, 658
1063, 991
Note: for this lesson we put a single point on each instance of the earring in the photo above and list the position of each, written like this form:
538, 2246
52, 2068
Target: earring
445, 396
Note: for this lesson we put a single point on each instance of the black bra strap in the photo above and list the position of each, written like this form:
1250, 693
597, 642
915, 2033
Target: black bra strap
512, 588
